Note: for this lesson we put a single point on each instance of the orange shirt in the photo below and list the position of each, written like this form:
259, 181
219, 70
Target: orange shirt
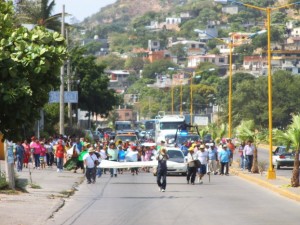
231, 146
60, 150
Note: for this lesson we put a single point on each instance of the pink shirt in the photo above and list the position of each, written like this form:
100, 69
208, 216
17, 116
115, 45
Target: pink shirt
36, 147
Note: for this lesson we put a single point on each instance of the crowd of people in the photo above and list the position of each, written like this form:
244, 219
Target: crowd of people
201, 158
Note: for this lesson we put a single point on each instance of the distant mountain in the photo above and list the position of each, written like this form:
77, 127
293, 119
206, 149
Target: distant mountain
129, 9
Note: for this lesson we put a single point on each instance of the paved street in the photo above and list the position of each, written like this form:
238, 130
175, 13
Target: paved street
136, 200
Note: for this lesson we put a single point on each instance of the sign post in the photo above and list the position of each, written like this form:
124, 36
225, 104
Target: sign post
9, 161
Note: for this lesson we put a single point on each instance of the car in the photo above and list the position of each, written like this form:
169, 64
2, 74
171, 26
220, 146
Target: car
175, 155
282, 157
132, 137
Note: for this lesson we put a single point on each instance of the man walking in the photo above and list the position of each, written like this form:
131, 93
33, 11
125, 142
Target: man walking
89, 161
162, 158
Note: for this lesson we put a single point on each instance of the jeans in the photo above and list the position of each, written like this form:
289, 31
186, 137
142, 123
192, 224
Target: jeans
90, 174
224, 165
50, 158
37, 160
191, 174
19, 163
162, 178
59, 163
249, 162
242, 162
99, 172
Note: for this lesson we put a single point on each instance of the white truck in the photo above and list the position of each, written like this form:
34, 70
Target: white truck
167, 125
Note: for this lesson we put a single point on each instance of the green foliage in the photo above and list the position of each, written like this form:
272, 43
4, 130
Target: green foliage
111, 62
157, 67
94, 95
134, 63
30, 63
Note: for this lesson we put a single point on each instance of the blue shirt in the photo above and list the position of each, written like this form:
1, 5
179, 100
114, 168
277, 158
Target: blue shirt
212, 154
224, 156
122, 155
184, 149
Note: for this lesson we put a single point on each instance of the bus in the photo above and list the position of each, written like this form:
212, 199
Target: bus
150, 124
167, 125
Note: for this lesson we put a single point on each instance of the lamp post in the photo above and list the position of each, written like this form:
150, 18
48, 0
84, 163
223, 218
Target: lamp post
271, 172
230, 45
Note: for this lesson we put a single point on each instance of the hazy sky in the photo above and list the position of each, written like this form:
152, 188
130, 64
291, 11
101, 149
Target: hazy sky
81, 8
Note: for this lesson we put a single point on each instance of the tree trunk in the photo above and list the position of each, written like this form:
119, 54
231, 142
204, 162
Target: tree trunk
254, 168
295, 175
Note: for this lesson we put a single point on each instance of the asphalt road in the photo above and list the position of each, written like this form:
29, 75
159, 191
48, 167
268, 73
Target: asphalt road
135, 200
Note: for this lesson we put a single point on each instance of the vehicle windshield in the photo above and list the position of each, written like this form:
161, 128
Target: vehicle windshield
126, 137
182, 139
169, 125
175, 154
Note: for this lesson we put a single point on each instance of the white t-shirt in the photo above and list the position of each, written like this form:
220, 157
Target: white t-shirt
90, 160
202, 156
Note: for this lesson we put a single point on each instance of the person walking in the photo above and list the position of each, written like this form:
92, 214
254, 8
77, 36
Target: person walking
161, 176
36, 150
213, 159
192, 170
90, 165
20, 153
202, 156
80, 163
112, 153
224, 157
241, 154
248, 153
60, 153
27, 153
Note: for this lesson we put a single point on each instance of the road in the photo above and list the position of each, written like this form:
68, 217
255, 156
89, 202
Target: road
135, 200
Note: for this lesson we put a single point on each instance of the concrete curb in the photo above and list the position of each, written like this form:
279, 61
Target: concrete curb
267, 185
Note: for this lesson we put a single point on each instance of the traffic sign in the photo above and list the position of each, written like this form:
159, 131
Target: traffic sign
69, 97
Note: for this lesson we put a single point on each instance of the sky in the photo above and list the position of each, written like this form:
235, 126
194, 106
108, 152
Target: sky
81, 8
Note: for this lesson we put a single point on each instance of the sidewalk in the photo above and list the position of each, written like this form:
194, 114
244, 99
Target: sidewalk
280, 185
36, 206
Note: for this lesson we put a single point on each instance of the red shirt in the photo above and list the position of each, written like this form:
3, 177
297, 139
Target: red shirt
60, 150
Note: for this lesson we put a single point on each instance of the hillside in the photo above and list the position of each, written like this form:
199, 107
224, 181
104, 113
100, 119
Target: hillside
128, 9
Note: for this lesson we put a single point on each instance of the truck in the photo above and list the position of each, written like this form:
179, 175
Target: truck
167, 125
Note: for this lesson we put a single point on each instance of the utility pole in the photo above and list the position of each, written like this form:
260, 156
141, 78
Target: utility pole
62, 73
69, 81
9, 164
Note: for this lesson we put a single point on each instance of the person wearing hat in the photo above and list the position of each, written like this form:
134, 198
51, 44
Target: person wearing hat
89, 162
224, 158
213, 159
192, 170
161, 175
202, 156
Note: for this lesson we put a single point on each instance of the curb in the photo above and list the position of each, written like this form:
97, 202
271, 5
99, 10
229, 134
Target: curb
267, 185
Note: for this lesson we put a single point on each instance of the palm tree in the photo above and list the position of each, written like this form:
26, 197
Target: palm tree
246, 131
39, 12
217, 132
291, 136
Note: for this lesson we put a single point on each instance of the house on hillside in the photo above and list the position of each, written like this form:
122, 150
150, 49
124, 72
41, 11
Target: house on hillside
118, 79
219, 60
192, 47
231, 9
210, 31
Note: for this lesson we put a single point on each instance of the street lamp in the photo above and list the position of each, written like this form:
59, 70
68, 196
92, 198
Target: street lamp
271, 172
230, 45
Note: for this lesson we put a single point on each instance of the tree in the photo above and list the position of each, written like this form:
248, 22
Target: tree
94, 95
157, 67
30, 62
291, 136
134, 63
111, 62
39, 12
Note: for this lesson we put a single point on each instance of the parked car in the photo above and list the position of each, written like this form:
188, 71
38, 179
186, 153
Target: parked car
282, 157
175, 155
